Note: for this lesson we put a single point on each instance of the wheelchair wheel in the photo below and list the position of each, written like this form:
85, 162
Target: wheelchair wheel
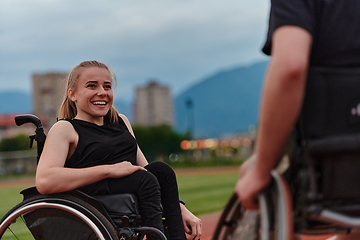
236, 224
227, 222
273, 221
54, 218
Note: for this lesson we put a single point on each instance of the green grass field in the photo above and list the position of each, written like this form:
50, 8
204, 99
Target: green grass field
9, 197
206, 193
203, 193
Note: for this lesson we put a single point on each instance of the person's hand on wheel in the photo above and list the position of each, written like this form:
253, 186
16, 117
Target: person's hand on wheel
248, 187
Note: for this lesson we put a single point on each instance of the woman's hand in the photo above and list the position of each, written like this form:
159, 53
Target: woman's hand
192, 224
123, 169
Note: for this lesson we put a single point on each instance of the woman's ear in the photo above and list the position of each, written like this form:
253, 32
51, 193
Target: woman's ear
71, 95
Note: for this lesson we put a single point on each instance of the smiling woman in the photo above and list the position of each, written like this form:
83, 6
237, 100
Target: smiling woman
90, 79
92, 148
93, 94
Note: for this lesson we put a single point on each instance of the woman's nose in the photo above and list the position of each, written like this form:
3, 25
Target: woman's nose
101, 91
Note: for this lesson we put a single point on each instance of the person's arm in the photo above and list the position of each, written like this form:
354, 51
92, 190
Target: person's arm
281, 103
140, 157
52, 176
192, 224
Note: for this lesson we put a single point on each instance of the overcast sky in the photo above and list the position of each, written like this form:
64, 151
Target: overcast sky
177, 42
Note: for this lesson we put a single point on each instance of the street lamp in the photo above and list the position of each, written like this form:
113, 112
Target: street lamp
190, 117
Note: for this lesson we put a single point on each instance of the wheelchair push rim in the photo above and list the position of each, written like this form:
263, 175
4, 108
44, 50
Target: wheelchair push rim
84, 218
274, 216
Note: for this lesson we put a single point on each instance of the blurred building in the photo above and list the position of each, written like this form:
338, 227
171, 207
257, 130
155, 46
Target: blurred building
153, 105
48, 93
8, 128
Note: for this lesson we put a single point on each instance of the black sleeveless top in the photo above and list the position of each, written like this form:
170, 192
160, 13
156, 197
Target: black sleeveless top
98, 145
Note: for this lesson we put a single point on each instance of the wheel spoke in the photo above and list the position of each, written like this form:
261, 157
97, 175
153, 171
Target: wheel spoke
12, 233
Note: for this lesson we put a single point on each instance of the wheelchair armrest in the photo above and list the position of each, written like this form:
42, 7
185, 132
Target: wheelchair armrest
334, 145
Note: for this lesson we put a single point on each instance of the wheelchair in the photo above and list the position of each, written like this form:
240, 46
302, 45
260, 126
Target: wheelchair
73, 214
320, 191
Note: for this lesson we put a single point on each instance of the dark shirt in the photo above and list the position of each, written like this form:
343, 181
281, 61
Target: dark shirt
99, 145
333, 24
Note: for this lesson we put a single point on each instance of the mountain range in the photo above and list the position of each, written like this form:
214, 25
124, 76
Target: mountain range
224, 103
15, 102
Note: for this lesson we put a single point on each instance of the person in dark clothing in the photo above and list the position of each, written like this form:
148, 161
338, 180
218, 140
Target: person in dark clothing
92, 148
303, 34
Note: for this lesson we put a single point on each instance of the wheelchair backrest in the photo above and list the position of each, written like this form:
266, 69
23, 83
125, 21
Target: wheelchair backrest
329, 129
332, 103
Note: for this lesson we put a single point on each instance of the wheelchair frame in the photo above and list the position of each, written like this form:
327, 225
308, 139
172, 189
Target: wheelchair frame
277, 220
72, 214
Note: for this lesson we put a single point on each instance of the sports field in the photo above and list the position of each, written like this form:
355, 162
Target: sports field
204, 190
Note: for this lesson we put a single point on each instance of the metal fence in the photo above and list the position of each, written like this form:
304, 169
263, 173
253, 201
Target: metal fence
17, 162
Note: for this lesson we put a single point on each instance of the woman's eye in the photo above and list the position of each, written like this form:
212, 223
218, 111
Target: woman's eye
91, 86
108, 86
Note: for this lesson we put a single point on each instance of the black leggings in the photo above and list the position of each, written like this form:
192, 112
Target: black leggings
154, 186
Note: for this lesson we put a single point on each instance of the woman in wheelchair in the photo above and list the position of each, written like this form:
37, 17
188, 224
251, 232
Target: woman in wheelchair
92, 148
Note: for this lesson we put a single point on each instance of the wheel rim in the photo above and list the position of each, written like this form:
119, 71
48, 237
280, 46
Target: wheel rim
20, 230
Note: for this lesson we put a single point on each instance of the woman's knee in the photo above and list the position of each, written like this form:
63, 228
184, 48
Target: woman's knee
137, 181
148, 179
164, 174
160, 167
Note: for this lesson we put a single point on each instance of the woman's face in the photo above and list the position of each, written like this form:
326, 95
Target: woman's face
93, 95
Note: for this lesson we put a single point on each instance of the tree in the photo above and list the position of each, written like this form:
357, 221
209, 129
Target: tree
19, 142
158, 141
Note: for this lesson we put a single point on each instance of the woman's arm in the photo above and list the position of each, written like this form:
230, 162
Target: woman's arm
52, 176
140, 158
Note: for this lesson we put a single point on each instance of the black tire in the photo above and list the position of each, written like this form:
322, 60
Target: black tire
55, 217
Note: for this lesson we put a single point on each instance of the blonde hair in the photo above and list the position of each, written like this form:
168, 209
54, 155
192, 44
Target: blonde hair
68, 108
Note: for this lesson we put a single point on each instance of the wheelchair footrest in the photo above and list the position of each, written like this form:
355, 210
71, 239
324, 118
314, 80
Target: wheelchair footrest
319, 213
151, 231
127, 234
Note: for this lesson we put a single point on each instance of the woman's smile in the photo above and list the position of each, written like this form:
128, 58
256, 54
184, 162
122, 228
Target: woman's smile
99, 103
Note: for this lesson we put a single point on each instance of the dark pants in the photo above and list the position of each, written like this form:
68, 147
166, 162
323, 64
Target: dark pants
155, 186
